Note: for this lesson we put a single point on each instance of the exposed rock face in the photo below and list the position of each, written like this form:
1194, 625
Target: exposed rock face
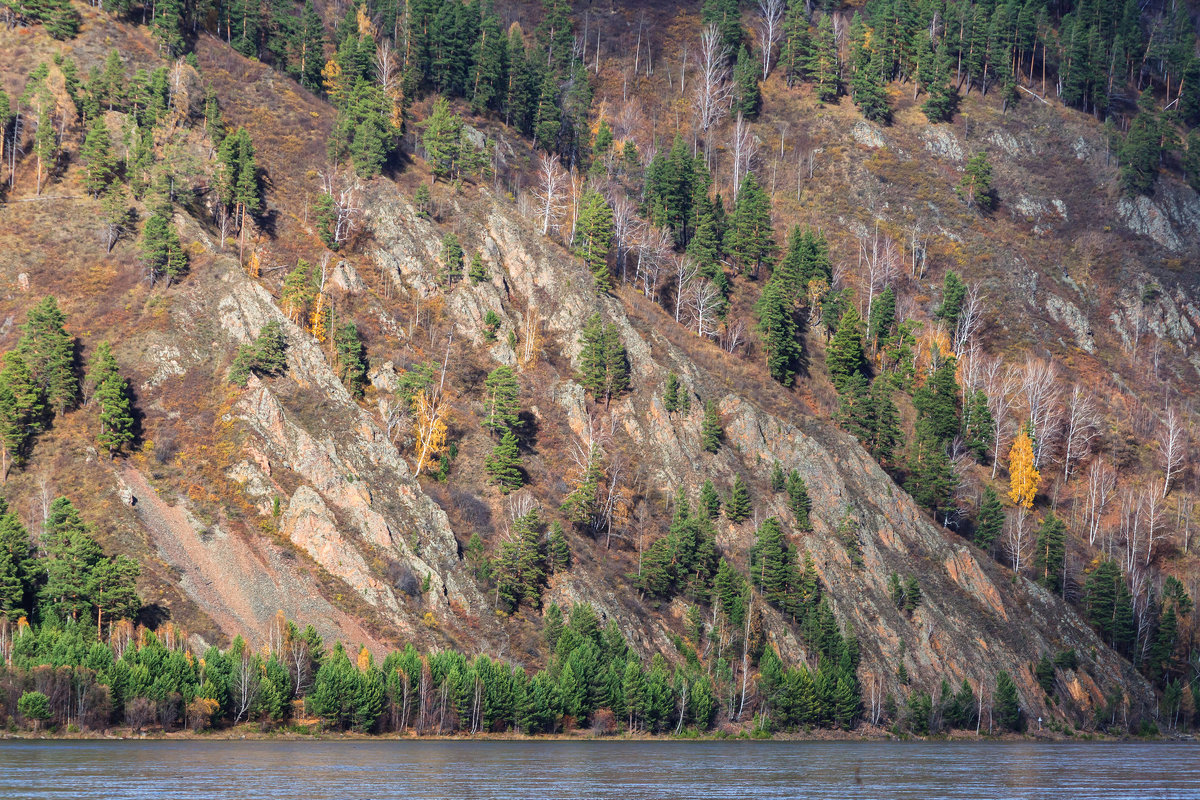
1170, 218
942, 142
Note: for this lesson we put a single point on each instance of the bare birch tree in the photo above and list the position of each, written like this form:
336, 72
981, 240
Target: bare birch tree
1018, 538
970, 318
878, 262
1000, 384
550, 195
1172, 445
1082, 426
744, 146
1102, 484
714, 89
1039, 385
770, 17
343, 188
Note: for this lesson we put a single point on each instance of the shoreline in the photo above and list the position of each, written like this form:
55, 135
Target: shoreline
243, 733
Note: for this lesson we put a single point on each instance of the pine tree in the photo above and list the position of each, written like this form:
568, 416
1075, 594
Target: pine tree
738, 507
1050, 553
603, 363
778, 326
504, 464
116, 414
477, 272
771, 563
751, 239
976, 184
593, 237
558, 551
710, 501
452, 259
711, 432
502, 399
671, 393
21, 410
798, 501
1006, 708
443, 140
747, 72
519, 570
547, 122
162, 254
991, 520
824, 63
98, 159
351, 358
48, 352
778, 479
844, 356
942, 100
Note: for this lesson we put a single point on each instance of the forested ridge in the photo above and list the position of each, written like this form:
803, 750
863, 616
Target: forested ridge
820, 210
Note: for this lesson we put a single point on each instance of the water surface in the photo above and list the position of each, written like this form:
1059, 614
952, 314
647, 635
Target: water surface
524, 770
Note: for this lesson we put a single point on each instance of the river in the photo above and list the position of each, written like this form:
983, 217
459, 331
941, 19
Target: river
517, 770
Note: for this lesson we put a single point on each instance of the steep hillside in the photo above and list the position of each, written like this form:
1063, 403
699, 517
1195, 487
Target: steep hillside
307, 491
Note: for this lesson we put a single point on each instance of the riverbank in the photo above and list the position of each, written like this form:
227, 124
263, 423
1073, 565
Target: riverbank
251, 732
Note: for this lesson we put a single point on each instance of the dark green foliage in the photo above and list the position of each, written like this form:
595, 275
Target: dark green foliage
48, 352
267, 355
1044, 672
954, 291
452, 259
942, 100
363, 131
747, 72
593, 237
112, 395
1050, 553
1006, 707
34, 706
238, 183
726, 16
976, 184
798, 500
520, 565
990, 523
711, 431
844, 356
491, 325
780, 329
710, 501
936, 402
672, 393
1141, 149
558, 552
738, 507
1109, 605
99, 162
80, 582
684, 561
919, 712
477, 272
777, 477
502, 396
751, 239
503, 466
162, 254
603, 365
22, 409
350, 358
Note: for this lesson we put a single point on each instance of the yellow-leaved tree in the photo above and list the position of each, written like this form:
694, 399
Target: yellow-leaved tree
1023, 475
